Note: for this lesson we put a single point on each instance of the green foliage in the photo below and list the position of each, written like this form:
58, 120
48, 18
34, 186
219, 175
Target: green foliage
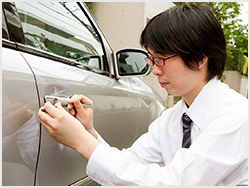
240, 37
89, 6
223, 78
236, 33
235, 62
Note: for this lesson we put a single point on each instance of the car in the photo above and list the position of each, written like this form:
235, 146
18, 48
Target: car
56, 49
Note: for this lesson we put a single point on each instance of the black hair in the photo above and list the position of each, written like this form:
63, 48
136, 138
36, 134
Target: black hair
192, 32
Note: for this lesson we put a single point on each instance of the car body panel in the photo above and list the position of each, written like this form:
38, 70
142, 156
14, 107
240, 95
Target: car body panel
20, 127
123, 109
114, 100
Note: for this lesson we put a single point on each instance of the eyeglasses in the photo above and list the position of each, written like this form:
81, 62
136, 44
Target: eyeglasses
160, 62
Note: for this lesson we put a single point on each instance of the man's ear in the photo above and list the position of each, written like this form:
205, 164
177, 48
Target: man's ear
203, 62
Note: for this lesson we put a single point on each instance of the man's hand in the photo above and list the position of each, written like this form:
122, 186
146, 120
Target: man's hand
82, 114
67, 130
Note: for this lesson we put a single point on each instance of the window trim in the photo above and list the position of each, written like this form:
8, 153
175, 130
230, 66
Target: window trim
91, 21
58, 58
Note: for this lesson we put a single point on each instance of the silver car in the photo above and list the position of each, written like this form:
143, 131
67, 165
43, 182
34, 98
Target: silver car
57, 50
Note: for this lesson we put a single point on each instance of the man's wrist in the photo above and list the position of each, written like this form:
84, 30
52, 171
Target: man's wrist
87, 145
93, 133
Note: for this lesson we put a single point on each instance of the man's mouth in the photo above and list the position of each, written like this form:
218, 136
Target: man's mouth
164, 84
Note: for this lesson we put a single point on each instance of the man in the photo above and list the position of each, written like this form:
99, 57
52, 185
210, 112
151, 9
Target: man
188, 53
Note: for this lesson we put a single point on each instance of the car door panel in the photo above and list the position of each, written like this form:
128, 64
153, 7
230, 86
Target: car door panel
20, 125
114, 101
149, 102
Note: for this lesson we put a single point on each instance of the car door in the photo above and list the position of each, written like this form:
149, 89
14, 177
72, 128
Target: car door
20, 128
67, 57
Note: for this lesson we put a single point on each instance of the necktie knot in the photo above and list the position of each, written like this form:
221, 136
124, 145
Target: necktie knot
186, 142
186, 119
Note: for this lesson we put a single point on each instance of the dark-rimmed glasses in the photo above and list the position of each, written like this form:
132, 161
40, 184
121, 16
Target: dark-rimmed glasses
160, 62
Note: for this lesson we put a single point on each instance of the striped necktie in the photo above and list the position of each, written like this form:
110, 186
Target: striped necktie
186, 142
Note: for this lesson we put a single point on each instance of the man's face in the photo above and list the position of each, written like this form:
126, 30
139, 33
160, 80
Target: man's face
176, 77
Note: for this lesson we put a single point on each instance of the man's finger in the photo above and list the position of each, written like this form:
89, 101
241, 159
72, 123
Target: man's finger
50, 109
85, 100
45, 119
78, 106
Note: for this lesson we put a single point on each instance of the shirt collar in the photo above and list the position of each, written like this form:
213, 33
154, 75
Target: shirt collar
203, 102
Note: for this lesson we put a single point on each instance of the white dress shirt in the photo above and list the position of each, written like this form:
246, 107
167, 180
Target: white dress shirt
218, 154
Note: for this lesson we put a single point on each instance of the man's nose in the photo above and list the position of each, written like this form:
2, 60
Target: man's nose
157, 71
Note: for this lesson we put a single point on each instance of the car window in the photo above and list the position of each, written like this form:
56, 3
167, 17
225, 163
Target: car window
62, 29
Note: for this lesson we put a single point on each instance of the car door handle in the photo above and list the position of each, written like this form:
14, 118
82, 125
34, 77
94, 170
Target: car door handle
55, 100
63, 100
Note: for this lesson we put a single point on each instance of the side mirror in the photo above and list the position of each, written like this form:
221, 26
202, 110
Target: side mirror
130, 63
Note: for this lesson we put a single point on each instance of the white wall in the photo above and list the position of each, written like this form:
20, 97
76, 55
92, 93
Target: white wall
121, 22
154, 8
237, 82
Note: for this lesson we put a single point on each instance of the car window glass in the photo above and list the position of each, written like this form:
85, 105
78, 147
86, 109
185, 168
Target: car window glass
62, 29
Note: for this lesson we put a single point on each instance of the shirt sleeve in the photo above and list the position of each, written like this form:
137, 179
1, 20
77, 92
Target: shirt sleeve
101, 140
214, 157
